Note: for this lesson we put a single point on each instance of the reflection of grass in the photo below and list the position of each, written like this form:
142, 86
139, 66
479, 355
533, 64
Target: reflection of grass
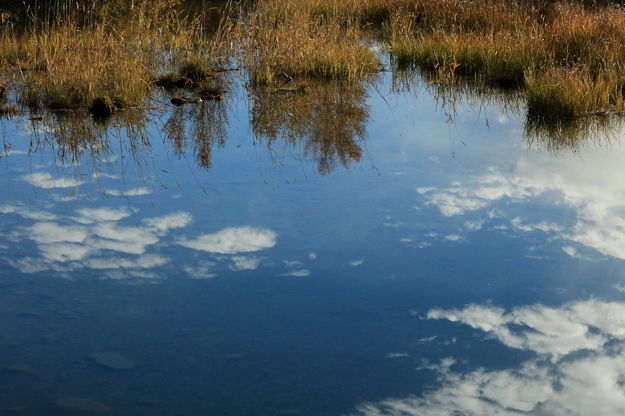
329, 122
552, 131
556, 135
208, 126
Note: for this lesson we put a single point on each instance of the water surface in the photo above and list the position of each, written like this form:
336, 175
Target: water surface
370, 249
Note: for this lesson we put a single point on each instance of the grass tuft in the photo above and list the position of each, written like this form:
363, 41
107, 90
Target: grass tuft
282, 39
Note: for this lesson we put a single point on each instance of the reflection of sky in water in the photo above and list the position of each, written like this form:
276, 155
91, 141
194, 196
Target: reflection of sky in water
433, 268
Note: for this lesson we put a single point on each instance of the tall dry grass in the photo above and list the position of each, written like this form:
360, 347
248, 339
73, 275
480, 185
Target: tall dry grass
569, 54
283, 39
77, 55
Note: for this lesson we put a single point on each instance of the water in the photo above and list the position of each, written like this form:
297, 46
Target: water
361, 250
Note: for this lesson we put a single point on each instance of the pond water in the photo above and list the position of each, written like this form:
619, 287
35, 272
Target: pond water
364, 250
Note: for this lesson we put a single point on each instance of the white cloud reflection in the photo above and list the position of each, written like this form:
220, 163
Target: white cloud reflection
169, 222
246, 262
93, 215
46, 181
115, 243
201, 271
593, 187
578, 369
26, 212
233, 240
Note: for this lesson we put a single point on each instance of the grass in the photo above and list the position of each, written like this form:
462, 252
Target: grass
282, 39
566, 56
569, 55
79, 59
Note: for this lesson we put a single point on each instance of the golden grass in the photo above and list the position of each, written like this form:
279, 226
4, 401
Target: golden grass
570, 56
282, 39
567, 56
560, 92
500, 59
68, 61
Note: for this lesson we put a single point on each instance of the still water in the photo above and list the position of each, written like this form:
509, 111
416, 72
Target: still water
363, 250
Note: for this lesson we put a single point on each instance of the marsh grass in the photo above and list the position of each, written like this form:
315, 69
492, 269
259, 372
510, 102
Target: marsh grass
570, 55
282, 38
567, 56
567, 93
76, 58
328, 124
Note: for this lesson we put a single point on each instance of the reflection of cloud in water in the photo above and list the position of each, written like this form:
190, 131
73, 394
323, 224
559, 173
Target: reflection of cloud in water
92, 215
169, 222
89, 241
586, 383
27, 213
246, 262
138, 191
552, 331
147, 261
295, 268
47, 181
93, 238
130, 240
201, 271
541, 226
593, 187
298, 273
233, 240
50, 232
357, 263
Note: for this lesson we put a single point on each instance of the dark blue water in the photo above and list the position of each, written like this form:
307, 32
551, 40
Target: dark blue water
359, 252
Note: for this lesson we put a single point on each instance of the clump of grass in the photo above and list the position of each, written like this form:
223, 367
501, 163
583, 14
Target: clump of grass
282, 39
171, 80
107, 66
194, 73
197, 70
497, 58
570, 55
592, 37
76, 58
566, 93
457, 15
